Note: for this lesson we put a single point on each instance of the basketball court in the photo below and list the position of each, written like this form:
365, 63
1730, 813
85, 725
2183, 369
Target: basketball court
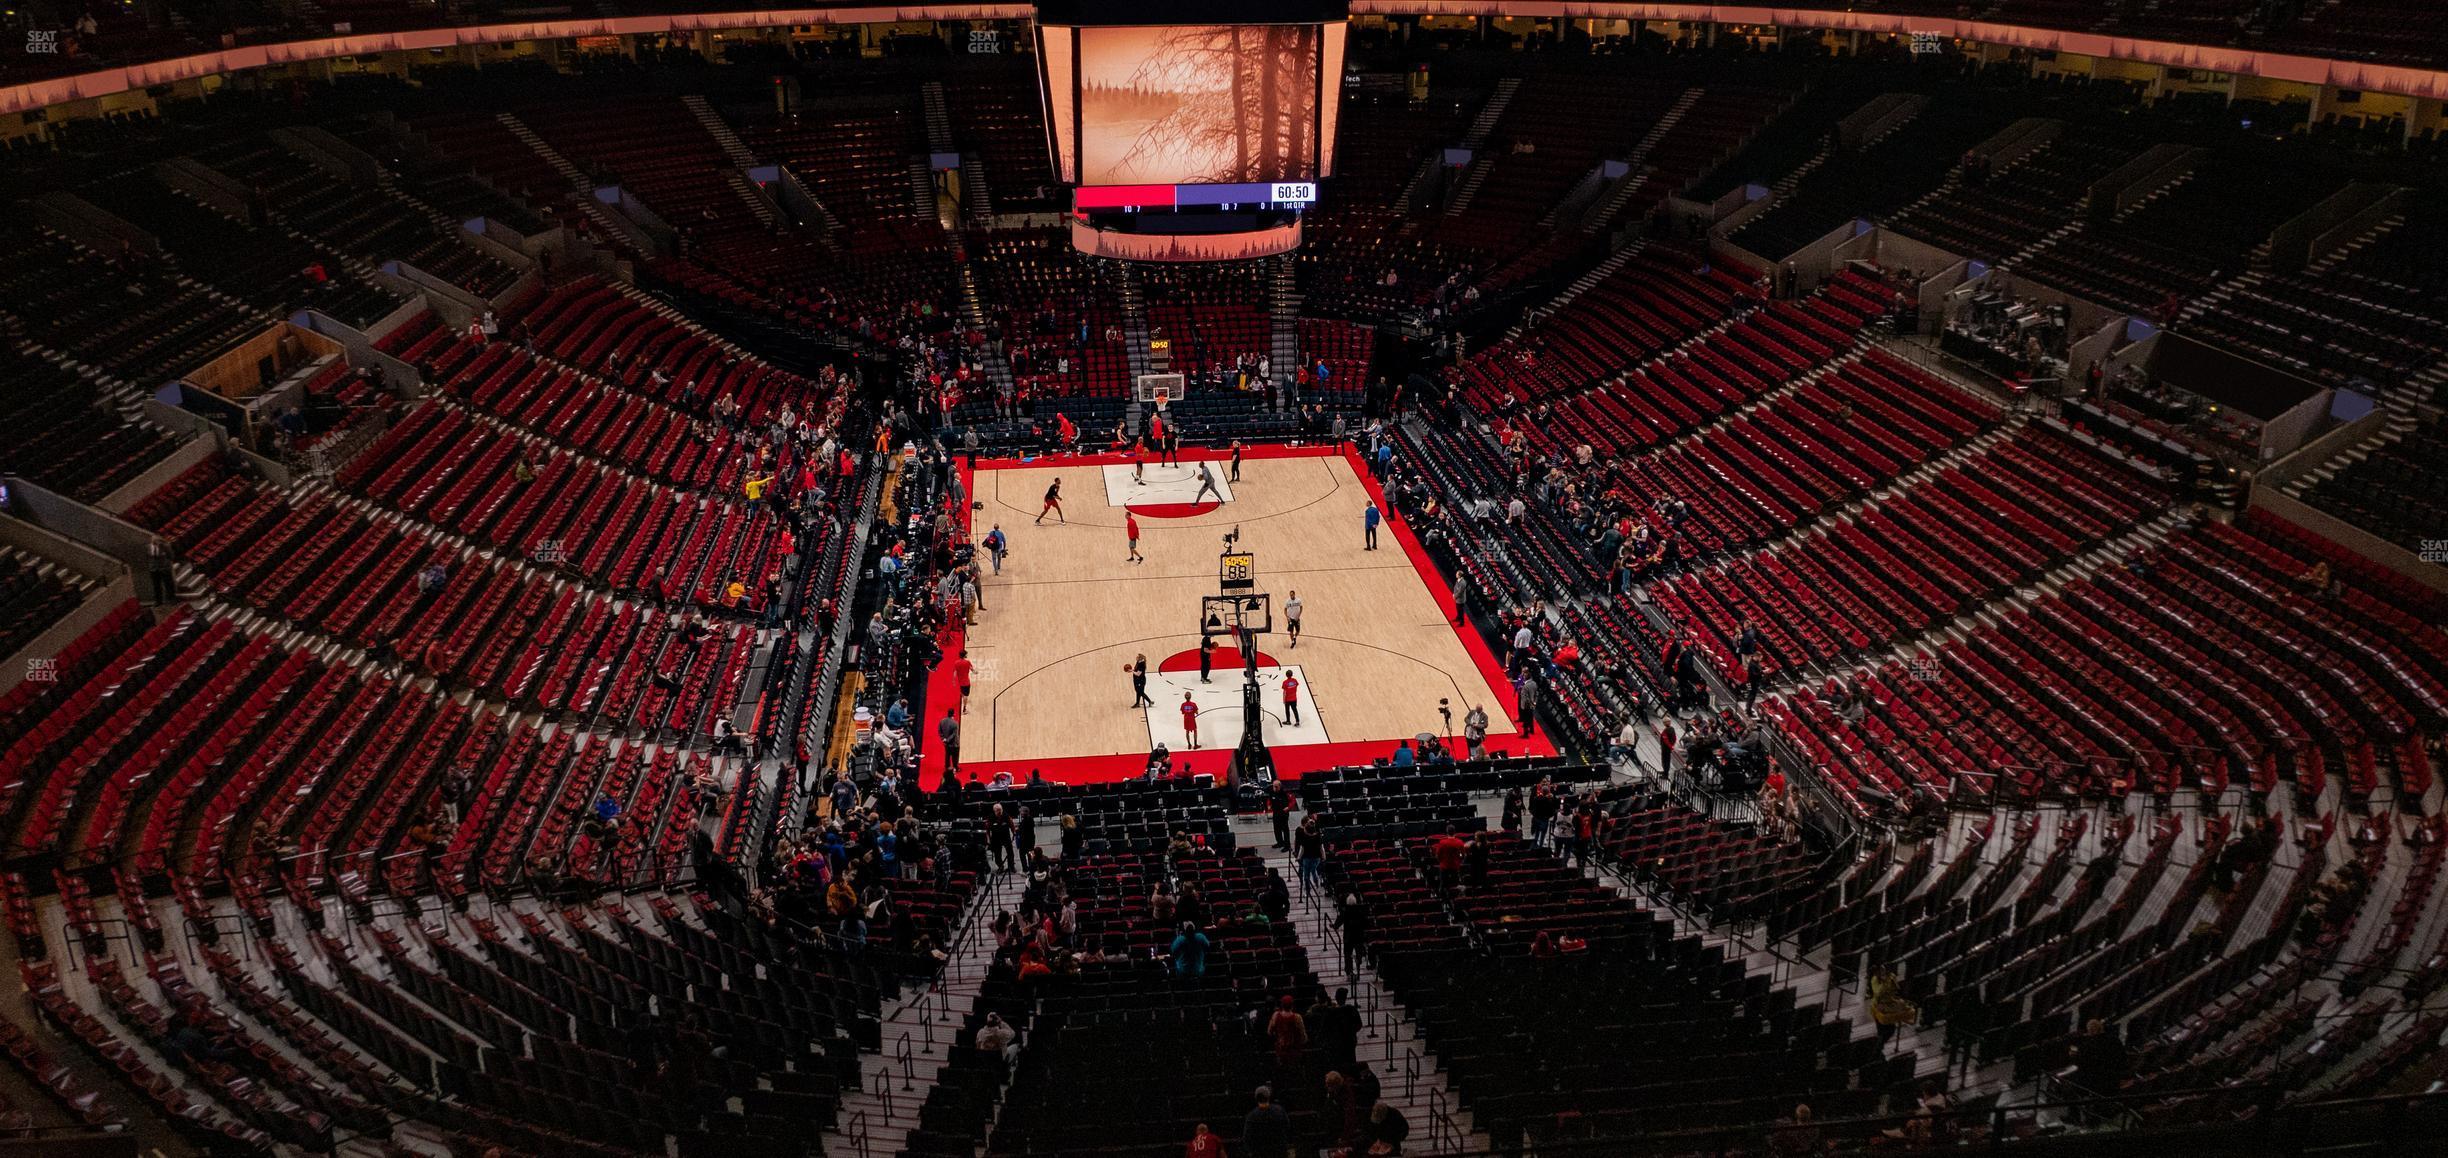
1069, 613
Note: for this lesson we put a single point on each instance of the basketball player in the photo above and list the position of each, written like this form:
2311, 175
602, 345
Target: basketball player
1190, 714
1291, 686
1207, 485
1139, 463
1138, 675
1236, 461
1053, 503
961, 670
1292, 612
1130, 528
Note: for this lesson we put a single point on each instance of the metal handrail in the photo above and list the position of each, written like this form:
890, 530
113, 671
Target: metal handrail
1442, 1131
857, 1133
884, 1090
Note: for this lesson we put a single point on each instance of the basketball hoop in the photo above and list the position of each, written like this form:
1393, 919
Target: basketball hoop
1160, 390
1232, 614
1243, 618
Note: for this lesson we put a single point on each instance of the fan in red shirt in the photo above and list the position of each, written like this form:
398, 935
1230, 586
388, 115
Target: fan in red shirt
1448, 852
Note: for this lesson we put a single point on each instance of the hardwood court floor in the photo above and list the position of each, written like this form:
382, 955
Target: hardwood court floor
1069, 611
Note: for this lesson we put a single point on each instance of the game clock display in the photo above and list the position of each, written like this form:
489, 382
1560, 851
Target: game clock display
1237, 570
1240, 197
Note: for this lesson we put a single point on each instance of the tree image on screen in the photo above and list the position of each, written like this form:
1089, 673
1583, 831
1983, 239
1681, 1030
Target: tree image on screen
1202, 104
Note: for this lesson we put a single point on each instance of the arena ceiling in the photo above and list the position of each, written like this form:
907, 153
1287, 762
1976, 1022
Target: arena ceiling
2311, 70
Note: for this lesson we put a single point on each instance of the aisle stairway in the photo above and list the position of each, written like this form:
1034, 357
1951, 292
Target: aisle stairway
733, 149
918, 1029
1634, 181
1499, 99
1390, 1043
990, 357
1134, 321
978, 202
938, 119
1286, 298
611, 225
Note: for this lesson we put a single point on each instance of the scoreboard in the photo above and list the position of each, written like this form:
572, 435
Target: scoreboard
1237, 570
1242, 196
1190, 132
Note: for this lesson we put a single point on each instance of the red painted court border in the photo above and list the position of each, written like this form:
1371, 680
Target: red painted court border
1172, 510
1292, 760
1249, 453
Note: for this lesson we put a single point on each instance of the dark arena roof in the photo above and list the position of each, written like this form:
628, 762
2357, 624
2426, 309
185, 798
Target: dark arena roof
555, 561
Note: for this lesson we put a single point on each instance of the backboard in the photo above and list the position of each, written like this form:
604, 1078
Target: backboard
1219, 615
1164, 389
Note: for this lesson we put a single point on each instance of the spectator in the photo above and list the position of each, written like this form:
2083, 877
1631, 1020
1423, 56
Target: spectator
999, 1039
1798, 1138
1543, 809
1309, 851
2100, 1059
1889, 1008
1334, 1027
1190, 960
1267, 1131
1353, 924
1290, 1034
1627, 742
1387, 1129
1448, 853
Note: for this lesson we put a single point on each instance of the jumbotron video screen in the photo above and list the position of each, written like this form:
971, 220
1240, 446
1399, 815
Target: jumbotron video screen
1191, 95
1207, 104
